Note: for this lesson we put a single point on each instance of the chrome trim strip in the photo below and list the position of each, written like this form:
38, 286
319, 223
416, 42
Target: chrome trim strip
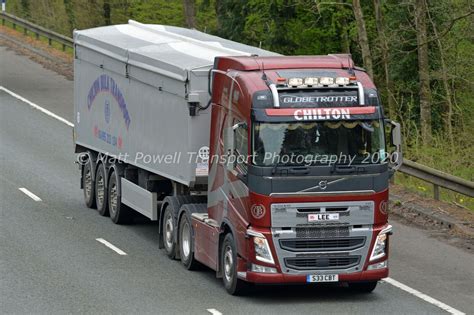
326, 193
276, 99
361, 94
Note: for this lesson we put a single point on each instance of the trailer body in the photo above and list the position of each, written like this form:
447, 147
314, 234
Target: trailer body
134, 85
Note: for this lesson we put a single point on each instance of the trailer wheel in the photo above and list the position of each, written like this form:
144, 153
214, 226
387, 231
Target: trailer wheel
168, 232
363, 287
232, 283
186, 243
88, 184
119, 213
101, 191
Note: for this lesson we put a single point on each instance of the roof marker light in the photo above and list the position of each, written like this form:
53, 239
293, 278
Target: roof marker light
295, 81
311, 81
342, 81
326, 81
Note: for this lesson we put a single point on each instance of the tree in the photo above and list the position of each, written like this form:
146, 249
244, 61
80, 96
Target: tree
423, 71
385, 57
363, 38
106, 8
190, 13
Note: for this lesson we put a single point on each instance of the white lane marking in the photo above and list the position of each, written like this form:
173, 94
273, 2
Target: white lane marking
111, 246
29, 194
41, 109
213, 311
423, 296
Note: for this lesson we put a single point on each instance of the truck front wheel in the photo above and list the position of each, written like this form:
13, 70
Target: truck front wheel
88, 184
119, 213
232, 283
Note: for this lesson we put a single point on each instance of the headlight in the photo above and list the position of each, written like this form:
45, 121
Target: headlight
380, 245
261, 247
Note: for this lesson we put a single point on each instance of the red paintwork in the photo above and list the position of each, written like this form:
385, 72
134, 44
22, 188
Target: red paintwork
283, 278
291, 111
231, 103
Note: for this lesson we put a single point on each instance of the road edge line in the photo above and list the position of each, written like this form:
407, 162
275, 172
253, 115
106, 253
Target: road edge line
111, 246
423, 296
29, 194
37, 107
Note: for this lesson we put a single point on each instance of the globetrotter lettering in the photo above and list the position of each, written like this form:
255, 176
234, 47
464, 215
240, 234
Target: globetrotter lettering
104, 83
317, 99
322, 114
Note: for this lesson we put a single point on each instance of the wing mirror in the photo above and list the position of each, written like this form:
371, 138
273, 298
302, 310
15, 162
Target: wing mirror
395, 157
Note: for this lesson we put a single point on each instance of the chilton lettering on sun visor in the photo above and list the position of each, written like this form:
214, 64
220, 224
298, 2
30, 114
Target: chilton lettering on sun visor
337, 113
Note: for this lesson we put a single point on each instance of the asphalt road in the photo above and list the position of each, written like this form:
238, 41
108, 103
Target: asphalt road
50, 261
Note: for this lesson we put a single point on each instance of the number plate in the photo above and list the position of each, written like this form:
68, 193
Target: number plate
322, 278
315, 217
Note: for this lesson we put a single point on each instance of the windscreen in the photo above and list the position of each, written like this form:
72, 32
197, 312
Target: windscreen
318, 143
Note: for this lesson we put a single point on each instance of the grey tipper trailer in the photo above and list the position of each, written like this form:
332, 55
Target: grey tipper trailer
140, 95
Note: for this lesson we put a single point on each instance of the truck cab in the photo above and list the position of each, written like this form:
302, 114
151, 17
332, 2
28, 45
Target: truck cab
299, 167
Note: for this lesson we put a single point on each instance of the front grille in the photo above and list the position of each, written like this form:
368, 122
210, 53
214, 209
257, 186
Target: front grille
322, 232
308, 245
322, 262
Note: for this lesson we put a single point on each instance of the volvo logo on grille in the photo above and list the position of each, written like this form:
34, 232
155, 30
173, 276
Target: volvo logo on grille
323, 184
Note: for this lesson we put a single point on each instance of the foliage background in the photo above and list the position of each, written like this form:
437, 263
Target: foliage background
309, 27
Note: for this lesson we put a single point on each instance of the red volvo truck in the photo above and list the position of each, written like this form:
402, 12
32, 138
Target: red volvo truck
264, 168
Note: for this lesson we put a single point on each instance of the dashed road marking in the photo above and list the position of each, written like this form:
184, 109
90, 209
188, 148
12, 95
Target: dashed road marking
41, 109
29, 194
111, 246
213, 311
423, 296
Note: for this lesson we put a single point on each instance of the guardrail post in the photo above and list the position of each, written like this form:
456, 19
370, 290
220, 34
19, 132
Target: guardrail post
64, 47
25, 31
37, 36
436, 192
3, 22
50, 41
14, 25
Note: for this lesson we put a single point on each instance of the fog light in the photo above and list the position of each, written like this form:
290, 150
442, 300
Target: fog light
380, 265
262, 269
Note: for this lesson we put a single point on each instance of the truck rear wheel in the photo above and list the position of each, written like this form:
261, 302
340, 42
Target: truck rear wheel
88, 184
363, 287
101, 191
168, 232
232, 283
186, 243
119, 213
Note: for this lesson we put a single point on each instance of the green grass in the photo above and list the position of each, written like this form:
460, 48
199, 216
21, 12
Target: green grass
456, 160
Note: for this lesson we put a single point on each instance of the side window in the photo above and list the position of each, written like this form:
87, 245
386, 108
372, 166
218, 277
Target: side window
240, 146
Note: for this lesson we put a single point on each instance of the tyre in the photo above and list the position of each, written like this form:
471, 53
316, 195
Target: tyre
228, 256
168, 232
186, 243
363, 287
88, 184
119, 213
101, 190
